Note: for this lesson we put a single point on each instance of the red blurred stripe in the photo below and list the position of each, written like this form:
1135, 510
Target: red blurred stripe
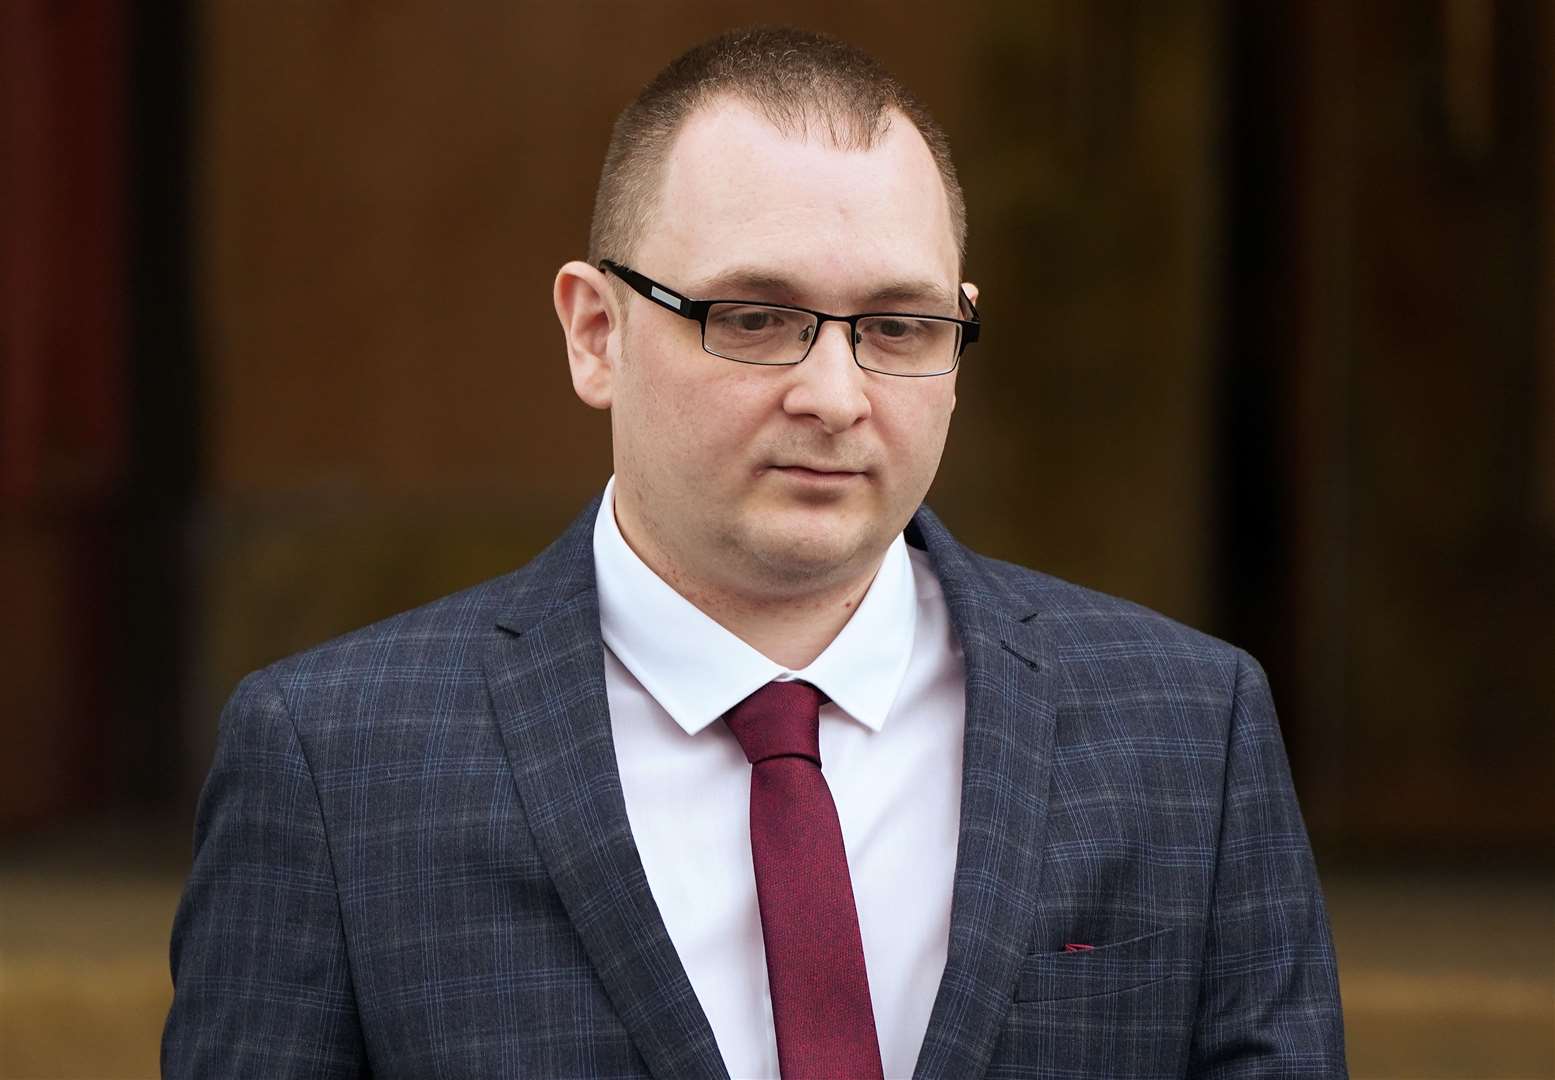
63, 387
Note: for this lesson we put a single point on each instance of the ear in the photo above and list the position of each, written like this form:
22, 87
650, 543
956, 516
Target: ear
971, 294
586, 307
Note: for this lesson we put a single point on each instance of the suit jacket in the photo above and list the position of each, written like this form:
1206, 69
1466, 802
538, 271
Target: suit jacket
412, 857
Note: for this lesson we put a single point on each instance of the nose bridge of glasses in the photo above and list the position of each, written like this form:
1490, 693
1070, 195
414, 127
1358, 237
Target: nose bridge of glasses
849, 332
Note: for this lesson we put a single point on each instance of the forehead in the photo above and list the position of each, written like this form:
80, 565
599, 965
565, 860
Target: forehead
738, 192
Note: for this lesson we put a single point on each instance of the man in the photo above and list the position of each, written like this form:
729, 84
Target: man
756, 770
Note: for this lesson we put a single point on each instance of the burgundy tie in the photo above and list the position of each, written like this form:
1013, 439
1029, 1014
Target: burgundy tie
815, 957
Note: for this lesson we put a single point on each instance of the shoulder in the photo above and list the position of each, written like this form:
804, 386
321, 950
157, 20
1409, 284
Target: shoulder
1083, 621
430, 657
1130, 688
394, 675
428, 636
1106, 651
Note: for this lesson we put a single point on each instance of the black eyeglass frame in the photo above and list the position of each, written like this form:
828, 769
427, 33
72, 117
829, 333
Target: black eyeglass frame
696, 310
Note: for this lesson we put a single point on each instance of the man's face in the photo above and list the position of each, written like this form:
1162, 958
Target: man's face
780, 480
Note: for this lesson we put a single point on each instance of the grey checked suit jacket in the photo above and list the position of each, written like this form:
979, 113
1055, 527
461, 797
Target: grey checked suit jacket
412, 856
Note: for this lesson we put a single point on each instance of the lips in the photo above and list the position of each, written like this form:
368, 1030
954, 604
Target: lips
820, 470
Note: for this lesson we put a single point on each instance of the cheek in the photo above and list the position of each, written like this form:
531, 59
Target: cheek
915, 423
693, 417
650, 388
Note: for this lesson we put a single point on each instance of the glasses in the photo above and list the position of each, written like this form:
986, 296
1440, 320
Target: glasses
890, 342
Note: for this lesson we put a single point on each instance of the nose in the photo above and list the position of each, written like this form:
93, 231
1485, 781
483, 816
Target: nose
828, 384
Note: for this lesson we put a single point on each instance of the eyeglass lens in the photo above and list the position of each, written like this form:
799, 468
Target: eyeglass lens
896, 344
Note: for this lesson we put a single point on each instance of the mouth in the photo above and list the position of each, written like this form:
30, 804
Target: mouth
818, 475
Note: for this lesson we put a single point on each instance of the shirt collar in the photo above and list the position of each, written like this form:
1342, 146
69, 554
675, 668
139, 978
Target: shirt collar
697, 670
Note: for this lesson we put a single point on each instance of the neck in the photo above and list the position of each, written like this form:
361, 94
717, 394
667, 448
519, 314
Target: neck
790, 628
791, 631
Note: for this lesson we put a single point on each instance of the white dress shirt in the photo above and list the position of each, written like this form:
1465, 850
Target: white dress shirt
890, 752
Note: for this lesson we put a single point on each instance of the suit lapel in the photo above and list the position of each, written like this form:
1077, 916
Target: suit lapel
545, 672
546, 676
1010, 717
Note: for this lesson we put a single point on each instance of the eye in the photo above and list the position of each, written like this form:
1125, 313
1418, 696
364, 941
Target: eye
754, 320
904, 336
749, 320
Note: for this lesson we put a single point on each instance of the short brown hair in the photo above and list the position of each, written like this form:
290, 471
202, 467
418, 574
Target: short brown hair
797, 80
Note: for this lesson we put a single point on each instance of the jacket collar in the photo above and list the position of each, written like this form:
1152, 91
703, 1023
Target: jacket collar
545, 671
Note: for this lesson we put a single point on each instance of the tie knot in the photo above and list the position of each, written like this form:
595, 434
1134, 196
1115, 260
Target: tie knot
782, 719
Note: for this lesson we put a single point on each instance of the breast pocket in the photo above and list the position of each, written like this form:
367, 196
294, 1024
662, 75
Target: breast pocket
1121, 1009
1101, 968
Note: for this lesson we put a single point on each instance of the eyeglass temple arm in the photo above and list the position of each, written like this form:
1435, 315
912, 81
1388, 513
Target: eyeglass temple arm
651, 290
969, 327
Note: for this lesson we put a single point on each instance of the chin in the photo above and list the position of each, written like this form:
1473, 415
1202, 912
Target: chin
802, 550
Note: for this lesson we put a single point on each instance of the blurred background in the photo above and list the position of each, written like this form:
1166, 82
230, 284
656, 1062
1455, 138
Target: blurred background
1270, 294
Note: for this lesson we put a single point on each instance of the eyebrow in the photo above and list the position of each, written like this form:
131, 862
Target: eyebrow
741, 281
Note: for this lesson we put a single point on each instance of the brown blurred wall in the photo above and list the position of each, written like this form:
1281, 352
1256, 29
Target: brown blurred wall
1396, 297
1270, 346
